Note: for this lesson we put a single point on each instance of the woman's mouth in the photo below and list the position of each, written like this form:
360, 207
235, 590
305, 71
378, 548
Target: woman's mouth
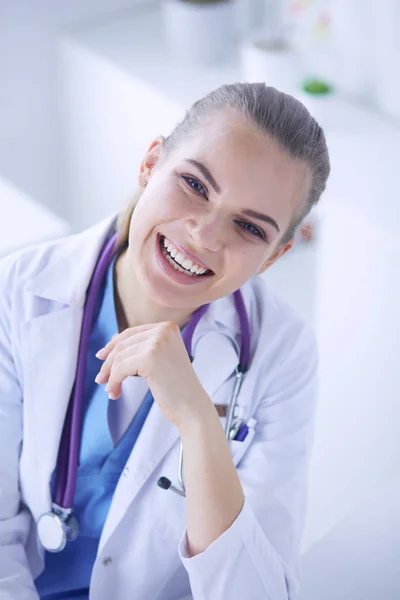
180, 266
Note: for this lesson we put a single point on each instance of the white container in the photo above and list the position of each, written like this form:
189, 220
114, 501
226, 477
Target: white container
275, 63
249, 15
199, 33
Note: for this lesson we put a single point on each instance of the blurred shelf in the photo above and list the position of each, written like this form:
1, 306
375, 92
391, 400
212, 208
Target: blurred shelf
132, 47
135, 42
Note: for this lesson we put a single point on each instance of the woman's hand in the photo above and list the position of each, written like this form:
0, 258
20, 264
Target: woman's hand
157, 353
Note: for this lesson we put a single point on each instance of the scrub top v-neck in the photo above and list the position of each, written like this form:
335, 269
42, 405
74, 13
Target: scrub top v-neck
101, 461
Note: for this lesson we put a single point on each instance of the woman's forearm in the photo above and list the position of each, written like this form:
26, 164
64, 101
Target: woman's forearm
214, 495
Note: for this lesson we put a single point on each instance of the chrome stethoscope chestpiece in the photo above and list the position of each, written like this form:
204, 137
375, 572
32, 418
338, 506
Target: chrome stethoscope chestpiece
55, 528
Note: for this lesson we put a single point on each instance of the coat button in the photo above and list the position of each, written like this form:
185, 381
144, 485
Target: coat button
107, 561
125, 471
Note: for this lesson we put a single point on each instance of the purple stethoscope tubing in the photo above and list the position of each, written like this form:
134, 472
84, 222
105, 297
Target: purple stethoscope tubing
70, 442
70, 445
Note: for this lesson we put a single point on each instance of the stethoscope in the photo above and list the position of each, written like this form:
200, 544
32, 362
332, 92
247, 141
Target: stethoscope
235, 429
59, 525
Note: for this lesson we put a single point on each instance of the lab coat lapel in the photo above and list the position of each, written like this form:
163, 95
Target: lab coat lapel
50, 355
50, 373
215, 360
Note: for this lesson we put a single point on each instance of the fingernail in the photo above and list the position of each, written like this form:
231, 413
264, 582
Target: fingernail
100, 353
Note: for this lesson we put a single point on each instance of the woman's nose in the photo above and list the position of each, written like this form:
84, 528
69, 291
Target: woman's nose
206, 233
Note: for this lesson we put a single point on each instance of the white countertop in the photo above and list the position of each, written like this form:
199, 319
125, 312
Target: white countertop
24, 221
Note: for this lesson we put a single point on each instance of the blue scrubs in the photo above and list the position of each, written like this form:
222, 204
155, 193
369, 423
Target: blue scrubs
67, 573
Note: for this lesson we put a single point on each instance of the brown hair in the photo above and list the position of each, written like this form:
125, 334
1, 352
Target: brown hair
279, 116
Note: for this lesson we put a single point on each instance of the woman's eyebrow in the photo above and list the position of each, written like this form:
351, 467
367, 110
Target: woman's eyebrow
261, 217
205, 171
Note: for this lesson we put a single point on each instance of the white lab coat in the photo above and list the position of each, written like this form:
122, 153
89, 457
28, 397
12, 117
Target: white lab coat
142, 552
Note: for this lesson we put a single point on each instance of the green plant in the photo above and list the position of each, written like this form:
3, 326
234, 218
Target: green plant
316, 87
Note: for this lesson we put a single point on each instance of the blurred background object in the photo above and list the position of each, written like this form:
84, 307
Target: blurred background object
268, 60
25, 221
85, 87
199, 31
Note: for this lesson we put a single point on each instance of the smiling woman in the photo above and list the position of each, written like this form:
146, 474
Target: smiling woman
147, 342
228, 186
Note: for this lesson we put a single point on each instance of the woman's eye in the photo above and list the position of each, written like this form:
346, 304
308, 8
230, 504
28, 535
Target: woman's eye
195, 185
252, 229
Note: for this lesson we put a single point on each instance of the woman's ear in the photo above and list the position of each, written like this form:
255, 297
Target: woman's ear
150, 159
281, 250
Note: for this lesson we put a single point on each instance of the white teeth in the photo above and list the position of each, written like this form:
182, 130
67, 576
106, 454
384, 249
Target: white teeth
187, 266
177, 267
180, 258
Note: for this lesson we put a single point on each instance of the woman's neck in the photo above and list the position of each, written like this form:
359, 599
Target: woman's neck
133, 308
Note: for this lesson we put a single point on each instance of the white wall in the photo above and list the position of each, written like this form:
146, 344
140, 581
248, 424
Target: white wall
109, 119
29, 142
357, 446
358, 559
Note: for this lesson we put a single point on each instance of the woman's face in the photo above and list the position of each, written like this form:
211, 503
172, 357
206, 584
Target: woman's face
221, 201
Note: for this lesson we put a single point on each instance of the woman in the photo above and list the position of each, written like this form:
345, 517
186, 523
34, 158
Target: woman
219, 201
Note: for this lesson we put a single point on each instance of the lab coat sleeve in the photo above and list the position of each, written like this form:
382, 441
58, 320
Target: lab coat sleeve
15, 578
258, 556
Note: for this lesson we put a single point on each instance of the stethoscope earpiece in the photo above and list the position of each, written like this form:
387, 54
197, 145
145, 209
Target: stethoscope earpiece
166, 484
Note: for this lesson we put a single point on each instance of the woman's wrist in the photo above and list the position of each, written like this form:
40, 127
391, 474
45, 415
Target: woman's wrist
201, 415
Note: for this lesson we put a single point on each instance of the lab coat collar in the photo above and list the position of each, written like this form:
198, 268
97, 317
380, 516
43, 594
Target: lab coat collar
82, 251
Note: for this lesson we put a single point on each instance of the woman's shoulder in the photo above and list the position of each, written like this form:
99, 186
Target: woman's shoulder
29, 261
50, 258
277, 326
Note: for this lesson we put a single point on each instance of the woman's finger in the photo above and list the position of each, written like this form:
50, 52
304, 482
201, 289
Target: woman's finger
103, 353
126, 366
119, 347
